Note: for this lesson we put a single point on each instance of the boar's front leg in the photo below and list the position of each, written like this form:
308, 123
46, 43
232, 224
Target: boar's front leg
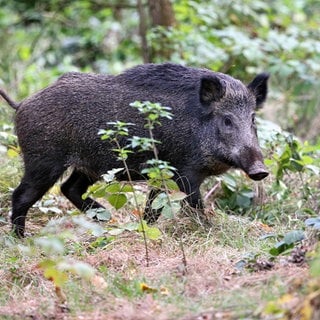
191, 187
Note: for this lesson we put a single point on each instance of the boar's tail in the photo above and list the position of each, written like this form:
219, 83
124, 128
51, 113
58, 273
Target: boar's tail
13, 104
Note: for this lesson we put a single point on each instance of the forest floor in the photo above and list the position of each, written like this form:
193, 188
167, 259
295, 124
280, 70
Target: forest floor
227, 272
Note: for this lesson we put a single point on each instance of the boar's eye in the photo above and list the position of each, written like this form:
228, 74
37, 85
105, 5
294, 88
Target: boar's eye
227, 122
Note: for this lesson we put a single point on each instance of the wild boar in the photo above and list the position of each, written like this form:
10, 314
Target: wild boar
213, 129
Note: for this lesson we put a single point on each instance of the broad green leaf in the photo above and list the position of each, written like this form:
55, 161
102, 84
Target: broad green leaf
52, 272
113, 187
288, 242
171, 185
166, 174
97, 190
103, 214
142, 226
160, 201
280, 247
153, 233
127, 188
56, 276
24, 52
12, 153
100, 192
117, 200
91, 213
294, 236
230, 182
155, 183
131, 226
306, 160
169, 211
177, 196
243, 201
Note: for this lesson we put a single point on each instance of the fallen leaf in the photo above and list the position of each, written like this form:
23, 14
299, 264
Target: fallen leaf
145, 288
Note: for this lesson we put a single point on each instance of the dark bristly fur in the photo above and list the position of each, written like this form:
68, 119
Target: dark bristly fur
212, 130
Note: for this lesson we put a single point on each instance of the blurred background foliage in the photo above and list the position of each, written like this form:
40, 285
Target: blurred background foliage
40, 40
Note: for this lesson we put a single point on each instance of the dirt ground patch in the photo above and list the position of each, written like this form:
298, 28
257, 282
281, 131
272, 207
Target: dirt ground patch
212, 284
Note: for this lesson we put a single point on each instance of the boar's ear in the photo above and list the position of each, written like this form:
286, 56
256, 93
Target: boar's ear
211, 90
259, 87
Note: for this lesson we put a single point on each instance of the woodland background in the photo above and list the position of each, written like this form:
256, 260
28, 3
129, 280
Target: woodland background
260, 257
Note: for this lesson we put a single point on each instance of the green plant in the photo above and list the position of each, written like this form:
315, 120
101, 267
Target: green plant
237, 196
292, 191
294, 156
287, 243
159, 172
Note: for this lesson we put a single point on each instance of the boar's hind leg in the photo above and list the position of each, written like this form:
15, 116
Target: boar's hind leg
151, 215
75, 187
36, 181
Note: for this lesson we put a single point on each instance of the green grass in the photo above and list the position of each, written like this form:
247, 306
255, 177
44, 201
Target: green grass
210, 284
107, 277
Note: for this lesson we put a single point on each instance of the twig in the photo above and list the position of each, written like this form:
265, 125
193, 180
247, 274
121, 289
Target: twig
212, 190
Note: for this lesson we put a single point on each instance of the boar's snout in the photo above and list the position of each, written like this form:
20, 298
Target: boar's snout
251, 160
258, 171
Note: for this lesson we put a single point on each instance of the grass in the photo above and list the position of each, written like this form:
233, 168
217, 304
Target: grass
210, 284
107, 277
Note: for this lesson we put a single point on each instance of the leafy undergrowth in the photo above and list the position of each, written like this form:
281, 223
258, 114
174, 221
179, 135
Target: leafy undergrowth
255, 256
70, 267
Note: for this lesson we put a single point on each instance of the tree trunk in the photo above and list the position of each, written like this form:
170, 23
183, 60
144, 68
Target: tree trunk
161, 15
145, 51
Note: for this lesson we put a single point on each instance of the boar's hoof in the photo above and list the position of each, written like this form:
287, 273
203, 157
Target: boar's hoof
18, 232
